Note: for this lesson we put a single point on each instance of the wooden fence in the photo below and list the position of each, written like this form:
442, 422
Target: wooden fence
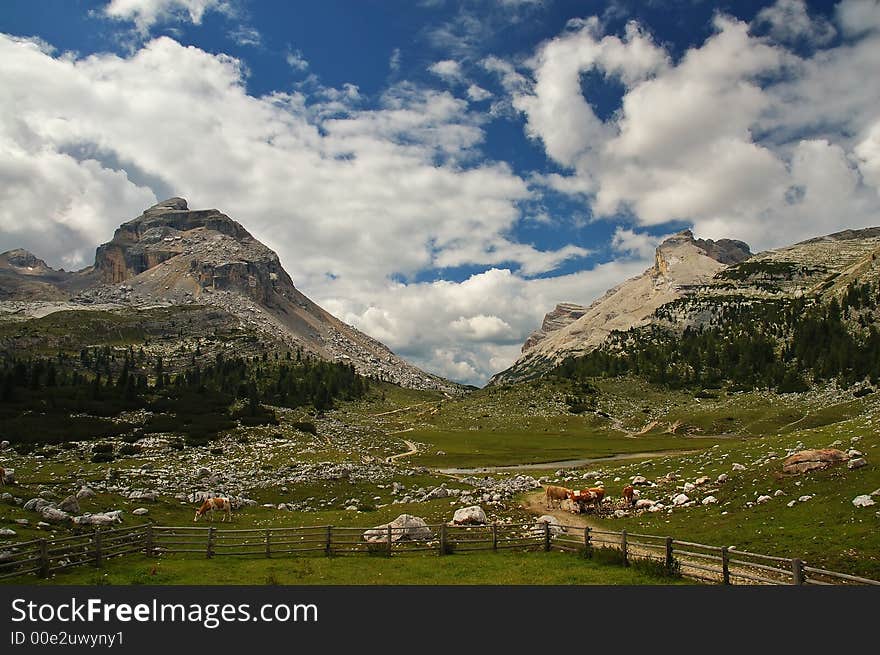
714, 564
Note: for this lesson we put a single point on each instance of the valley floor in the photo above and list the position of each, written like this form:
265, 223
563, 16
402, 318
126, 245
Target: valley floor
374, 459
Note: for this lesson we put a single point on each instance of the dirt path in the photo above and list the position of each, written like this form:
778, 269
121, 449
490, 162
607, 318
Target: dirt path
413, 449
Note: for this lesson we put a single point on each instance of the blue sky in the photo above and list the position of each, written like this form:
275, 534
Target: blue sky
437, 173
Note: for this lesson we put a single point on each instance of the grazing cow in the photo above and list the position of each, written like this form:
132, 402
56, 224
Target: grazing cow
554, 494
628, 494
212, 505
2, 476
582, 497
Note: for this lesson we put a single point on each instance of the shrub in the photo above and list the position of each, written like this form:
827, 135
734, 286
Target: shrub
306, 426
99, 458
102, 448
127, 450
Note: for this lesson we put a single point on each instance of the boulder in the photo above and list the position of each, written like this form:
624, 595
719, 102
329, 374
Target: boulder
569, 505
551, 521
812, 459
473, 515
405, 527
763, 499
805, 498
688, 487
680, 499
863, 501
106, 518
701, 480
710, 500
6, 532
4, 444
70, 505
639, 479
85, 492
738, 467
144, 496
140, 511
856, 463
54, 515
722, 478
36, 504
643, 503
9, 477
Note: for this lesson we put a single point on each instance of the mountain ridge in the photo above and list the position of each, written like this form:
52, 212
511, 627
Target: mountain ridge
171, 255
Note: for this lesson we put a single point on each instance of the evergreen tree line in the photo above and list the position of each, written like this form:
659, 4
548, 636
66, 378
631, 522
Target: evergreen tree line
38, 395
781, 344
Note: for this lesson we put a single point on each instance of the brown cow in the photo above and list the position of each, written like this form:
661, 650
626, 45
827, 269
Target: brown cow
582, 497
2, 476
214, 505
629, 494
555, 494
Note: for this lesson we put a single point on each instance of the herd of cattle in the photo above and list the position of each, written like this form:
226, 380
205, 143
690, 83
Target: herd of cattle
583, 498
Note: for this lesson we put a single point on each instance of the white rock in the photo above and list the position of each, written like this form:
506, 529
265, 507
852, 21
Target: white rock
722, 478
473, 515
852, 452
639, 479
551, 521
856, 463
738, 467
710, 500
701, 480
688, 487
791, 503
804, 499
140, 511
680, 499
643, 503
863, 501
85, 492
405, 527
619, 513
763, 499
6, 532
778, 492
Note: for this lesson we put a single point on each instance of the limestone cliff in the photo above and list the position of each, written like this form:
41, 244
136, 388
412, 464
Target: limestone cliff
681, 264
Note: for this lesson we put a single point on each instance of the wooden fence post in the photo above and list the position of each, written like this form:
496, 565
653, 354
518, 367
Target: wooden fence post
97, 538
670, 559
442, 538
149, 540
268, 547
546, 537
797, 569
329, 541
725, 565
588, 542
389, 540
494, 536
44, 558
623, 548
210, 551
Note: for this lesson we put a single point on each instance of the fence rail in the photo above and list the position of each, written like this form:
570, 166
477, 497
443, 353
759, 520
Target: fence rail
715, 564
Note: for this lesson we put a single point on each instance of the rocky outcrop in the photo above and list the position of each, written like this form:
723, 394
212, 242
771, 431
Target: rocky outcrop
813, 459
563, 314
681, 264
177, 256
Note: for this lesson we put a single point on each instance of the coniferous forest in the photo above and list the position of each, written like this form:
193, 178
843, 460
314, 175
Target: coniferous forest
68, 397
785, 345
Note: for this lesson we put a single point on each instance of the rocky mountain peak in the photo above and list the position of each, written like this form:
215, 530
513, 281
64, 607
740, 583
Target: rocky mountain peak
23, 259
